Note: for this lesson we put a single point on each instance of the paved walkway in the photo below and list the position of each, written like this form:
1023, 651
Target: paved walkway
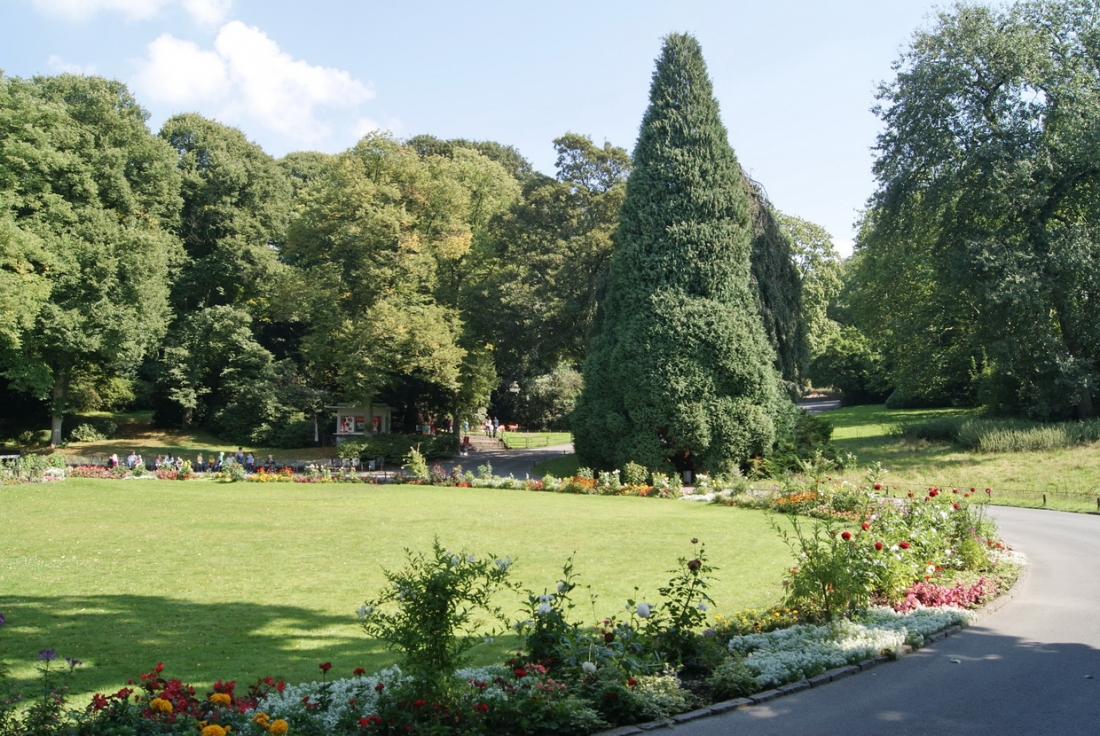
517, 463
1032, 667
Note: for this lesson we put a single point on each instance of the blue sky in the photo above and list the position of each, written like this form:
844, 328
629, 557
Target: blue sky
795, 79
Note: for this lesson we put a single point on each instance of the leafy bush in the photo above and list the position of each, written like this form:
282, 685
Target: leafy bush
394, 448
93, 431
434, 610
732, 679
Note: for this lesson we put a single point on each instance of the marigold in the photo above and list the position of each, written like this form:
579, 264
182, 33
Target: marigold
278, 727
261, 719
160, 705
222, 699
214, 730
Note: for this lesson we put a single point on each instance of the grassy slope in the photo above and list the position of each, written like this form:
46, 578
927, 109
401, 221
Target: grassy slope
239, 581
1070, 477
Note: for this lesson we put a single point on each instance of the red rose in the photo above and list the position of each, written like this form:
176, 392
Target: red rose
910, 494
954, 490
878, 486
520, 673
903, 545
694, 565
866, 525
845, 536
933, 493
878, 546
359, 671
956, 506
325, 666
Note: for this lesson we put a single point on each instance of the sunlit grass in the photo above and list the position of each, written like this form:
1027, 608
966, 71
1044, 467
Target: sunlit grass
239, 581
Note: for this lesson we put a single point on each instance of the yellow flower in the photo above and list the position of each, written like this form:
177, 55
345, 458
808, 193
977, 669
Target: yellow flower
220, 698
160, 705
261, 719
278, 727
214, 730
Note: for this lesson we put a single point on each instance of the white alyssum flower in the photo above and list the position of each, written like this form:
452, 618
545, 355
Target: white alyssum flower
588, 667
788, 655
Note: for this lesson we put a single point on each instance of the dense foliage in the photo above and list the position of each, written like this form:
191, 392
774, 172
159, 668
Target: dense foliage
680, 374
975, 270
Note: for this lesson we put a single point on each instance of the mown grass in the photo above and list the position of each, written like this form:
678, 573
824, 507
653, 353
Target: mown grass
135, 432
239, 581
526, 440
1068, 477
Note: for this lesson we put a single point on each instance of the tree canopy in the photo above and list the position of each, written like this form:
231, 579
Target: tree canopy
680, 374
977, 262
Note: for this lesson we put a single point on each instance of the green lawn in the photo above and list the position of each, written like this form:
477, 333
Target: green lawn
526, 440
1068, 477
239, 581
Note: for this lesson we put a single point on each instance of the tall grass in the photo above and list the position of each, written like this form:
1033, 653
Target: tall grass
982, 434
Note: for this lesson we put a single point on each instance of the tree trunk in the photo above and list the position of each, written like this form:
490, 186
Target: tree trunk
57, 406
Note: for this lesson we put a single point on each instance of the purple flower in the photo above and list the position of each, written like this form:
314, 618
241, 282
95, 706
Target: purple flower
73, 662
1, 619
47, 655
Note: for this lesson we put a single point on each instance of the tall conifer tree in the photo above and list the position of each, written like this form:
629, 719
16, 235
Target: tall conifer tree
680, 373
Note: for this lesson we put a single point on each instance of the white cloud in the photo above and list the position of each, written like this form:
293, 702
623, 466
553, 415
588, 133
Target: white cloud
61, 66
208, 13
845, 246
203, 12
179, 73
82, 9
249, 80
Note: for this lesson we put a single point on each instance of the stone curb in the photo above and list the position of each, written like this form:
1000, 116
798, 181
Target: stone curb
832, 675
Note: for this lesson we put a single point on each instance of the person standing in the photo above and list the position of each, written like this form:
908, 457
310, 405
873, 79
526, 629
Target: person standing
199, 466
250, 463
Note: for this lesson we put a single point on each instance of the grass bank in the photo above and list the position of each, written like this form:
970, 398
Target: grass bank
239, 581
1065, 478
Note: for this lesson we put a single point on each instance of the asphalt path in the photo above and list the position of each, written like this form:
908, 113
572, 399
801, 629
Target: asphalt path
516, 463
1031, 667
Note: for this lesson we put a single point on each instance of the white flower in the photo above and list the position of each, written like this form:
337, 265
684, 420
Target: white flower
562, 586
505, 563
365, 610
545, 598
471, 559
702, 606
544, 608
643, 610
589, 668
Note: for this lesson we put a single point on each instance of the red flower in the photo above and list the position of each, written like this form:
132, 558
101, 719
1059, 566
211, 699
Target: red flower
359, 671
482, 707
631, 682
866, 525
910, 494
609, 637
878, 486
419, 703
99, 701
845, 536
694, 565
379, 688
325, 666
903, 545
955, 506
878, 546
934, 492
520, 673
954, 490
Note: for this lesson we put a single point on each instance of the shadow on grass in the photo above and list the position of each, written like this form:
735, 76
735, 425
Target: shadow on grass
120, 637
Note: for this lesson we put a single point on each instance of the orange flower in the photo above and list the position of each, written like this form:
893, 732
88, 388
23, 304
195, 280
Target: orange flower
214, 730
160, 705
221, 699
278, 727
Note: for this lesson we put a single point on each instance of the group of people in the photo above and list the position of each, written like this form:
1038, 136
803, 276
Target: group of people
491, 426
210, 464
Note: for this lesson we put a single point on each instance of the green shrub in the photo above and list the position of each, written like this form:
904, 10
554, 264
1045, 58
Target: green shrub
732, 679
85, 433
394, 448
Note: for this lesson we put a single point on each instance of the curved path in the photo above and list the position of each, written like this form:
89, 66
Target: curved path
1031, 667
517, 463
